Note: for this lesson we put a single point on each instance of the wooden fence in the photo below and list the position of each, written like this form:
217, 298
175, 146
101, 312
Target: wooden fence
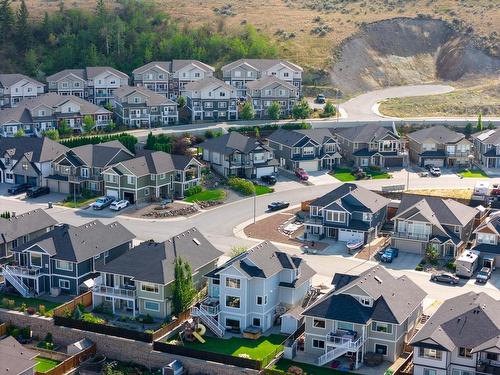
159, 333
406, 368
70, 363
3, 329
85, 299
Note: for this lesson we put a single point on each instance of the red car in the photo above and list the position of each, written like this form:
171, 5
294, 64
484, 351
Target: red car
301, 174
495, 189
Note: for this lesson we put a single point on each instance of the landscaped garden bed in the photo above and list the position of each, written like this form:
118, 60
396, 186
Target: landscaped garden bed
246, 187
29, 306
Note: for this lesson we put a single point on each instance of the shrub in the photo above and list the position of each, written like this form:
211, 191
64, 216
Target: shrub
42, 310
91, 318
5, 302
15, 332
148, 319
375, 168
419, 267
451, 266
25, 332
31, 310
241, 185
23, 307
193, 190
48, 337
150, 331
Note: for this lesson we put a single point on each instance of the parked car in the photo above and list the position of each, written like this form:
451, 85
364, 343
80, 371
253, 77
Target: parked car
495, 189
18, 189
103, 202
275, 206
483, 275
37, 191
301, 174
445, 277
435, 171
320, 99
270, 179
389, 254
119, 205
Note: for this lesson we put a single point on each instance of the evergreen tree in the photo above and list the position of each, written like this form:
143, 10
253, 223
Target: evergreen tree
247, 112
329, 110
183, 290
491, 126
273, 111
181, 102
301, 110
479, 126
468, 129
23, 32
6, 19
88, 124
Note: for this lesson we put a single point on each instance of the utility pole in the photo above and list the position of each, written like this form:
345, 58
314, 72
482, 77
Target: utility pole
254, 205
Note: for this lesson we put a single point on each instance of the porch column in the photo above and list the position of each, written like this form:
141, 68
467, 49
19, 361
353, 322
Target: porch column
133, 308
113, 303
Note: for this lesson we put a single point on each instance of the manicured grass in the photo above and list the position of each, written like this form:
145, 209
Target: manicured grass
378, 175
285, 364
45, 364
30, 302
80, 202
258, 349
262, 189
343, 174
476, 173
207, 195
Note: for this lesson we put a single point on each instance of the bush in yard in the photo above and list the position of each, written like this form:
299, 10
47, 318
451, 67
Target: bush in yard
451, 266
148, 319
431, 254
23, 307
376, 168
5, 302
329, 110
241, 185
31, 310
419, 267
193, 190
295, 370
90, 318
42, 310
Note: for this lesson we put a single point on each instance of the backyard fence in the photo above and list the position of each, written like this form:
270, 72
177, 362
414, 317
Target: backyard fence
406, 368
85, 299
172, 325
3, 329
71, 362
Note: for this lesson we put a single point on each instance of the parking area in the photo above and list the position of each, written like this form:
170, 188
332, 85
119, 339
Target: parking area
321, 178
52, 197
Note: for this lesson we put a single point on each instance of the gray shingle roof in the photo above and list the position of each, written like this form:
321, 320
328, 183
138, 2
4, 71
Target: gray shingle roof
76, 244
21, 225
261, 64
154, 98
439, 133
155, 262
37, 150
394, 299
80, 73
102, 154
488, 136
15, 358
293, 137
364, 133
165, 65
86, 73
267, 81
206, 82
17, 114
7, 80
53, 100
471, 320
179, 64
492, 224
156, 163
228, 143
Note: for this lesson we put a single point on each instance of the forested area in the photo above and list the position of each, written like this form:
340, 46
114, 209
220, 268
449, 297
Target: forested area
125, 38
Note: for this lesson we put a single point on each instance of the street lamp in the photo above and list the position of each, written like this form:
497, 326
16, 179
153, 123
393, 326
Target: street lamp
254, 204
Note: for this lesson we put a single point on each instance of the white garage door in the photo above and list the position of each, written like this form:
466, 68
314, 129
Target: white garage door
112, 193
434, 162
265, 171
309, 166
347, 235
413, 247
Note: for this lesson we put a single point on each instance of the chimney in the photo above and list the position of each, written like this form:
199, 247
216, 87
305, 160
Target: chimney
13, 214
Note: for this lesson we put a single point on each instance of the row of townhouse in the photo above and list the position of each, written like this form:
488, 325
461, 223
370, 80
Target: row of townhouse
487, 148
16, 87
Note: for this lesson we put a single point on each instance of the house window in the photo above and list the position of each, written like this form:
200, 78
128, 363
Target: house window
381, 349
367, 216
464, 352
345, 326
222, 94
381, 327
64, 284
429, 371
314, 211
149, 287
319, 323
256, 322
487, 238
492, 356
335, 216
259, 300
151, 306
130, 180
111, 178
308, 151
365, 301
318, 344
232, 301
430, 353
36, 260
296, 150
237, 73
231, 282
146, 192
64, 265
137, 99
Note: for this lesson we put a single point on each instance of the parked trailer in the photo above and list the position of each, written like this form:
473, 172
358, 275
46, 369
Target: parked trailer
467, 263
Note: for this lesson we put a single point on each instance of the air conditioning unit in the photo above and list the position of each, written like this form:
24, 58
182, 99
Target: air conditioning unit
174, 368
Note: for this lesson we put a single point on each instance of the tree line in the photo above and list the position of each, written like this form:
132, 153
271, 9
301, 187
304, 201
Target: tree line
134, 33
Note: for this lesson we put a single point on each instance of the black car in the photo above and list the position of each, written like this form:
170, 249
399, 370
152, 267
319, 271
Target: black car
37, 191
18, 189
445, 278
275, 206
270, 179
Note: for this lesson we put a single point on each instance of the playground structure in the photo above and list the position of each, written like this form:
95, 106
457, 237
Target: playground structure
193, 330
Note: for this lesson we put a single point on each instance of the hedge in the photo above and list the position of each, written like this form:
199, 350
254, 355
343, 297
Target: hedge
129, 141
193, 190
241, 185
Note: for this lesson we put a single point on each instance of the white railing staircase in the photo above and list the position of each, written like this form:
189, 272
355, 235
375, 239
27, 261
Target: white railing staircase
346, 346
205, 317
16, 282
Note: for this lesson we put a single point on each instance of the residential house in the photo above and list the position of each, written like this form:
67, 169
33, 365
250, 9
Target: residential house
20, 229
152, 175
253, 289
141, 280
15, 359
371, 145
80, 168
241, 72
487, 148
169, 78
487, 240
16, 87
47, 111
347, 213
441, 223
210, 99
27, 159
310, 149
234, 154
96, 84
439, 146
460, 338
266, 90
141, 107
65, 257
372, 312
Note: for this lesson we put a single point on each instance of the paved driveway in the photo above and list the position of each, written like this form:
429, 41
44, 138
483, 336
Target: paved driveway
321, 178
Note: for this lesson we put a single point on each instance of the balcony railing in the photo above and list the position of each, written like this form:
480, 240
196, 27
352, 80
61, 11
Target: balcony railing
25, 271
211, 306
412, 236
342, 338
314, 220
458, 154
72, 178
128, 292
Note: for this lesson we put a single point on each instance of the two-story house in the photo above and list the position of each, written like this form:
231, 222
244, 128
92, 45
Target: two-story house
155, 76
152, 175
80, 168
186, 71
347, 213
16, 87
423, 221
141, 280
371, 145
253, 289
487, 148
487, 240
210, 99
47, 111
139, 107
65, 257
27, 159
96, 84
372, 312
266, 90
439, 146
241, 72
20, 229
460, 338
234, 154
310, 149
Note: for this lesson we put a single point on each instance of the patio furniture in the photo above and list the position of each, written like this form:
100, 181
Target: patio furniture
252, 333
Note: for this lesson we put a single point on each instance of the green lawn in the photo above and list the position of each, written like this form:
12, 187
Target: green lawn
256, 349
343, 174
262, 189
80, 202
285, 364
30, 302
476, 173
378, 175
45, 364
207, 195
